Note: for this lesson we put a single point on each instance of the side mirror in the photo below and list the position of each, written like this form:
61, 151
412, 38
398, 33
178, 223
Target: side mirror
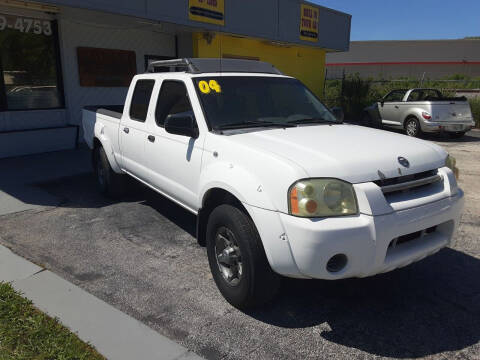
338, 113
182, 124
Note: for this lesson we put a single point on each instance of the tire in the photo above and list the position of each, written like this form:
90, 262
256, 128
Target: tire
412, 127
239, 265
456, 135
109, 182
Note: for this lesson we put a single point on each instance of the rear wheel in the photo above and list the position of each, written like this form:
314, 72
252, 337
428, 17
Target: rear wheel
237, 259
412, 127
109, 182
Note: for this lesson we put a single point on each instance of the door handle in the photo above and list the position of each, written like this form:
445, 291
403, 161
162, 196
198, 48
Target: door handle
126, 130
151, 138
396, 106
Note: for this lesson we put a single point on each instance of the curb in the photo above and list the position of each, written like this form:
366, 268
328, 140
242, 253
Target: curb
113, 333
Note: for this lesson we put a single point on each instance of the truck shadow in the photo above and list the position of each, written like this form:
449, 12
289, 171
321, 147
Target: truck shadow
424, 309
81, 191
427, 308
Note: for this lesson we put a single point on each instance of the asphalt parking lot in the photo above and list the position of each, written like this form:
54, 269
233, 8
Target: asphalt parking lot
140, 255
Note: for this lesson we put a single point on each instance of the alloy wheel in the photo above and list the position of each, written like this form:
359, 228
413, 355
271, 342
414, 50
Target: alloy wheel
228, 255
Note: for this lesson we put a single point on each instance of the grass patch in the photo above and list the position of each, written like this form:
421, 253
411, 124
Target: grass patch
27, 333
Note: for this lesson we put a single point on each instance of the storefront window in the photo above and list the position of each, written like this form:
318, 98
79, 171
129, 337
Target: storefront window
28, 64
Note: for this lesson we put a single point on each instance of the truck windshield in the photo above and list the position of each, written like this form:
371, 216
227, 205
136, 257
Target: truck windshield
232, 102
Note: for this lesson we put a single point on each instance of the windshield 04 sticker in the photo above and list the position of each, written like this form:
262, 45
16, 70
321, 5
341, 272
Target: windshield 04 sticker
207, 87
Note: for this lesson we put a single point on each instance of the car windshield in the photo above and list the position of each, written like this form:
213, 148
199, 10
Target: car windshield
233, 102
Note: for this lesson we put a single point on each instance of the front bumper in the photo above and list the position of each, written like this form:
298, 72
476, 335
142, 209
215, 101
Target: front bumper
301, 248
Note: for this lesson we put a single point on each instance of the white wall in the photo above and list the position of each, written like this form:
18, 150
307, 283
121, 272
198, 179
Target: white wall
79, 28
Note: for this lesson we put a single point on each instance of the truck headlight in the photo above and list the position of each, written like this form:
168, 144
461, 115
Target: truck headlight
322, 198
451, 163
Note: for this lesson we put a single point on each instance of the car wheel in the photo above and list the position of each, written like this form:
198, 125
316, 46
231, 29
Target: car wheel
457, 135
237, 259
412, 127
109, 182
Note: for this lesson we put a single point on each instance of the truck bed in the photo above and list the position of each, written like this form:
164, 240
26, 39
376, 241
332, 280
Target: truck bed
104, 117
115, 111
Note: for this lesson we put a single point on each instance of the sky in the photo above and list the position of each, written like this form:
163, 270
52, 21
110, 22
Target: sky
409, 19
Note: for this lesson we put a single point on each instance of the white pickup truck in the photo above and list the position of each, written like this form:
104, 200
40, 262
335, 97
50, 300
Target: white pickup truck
280, 187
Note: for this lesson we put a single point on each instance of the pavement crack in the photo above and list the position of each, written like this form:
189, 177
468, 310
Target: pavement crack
38, 272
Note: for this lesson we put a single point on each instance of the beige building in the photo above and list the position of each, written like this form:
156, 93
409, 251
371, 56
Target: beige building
433, 59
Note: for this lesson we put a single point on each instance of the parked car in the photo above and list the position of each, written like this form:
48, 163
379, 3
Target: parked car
421, 110
280, 187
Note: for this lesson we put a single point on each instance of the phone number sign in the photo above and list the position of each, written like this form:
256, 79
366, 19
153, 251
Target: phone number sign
25, 25
309, 16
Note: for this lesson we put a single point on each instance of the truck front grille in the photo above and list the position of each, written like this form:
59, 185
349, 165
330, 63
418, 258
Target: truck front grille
408, 182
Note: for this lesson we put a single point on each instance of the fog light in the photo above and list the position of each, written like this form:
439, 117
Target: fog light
337, 263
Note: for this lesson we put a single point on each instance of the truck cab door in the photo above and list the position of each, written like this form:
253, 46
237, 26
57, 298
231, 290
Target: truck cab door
174, 160
133, 131
390, 108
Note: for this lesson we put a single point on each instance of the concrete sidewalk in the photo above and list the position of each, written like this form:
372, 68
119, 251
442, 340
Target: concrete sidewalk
113, 333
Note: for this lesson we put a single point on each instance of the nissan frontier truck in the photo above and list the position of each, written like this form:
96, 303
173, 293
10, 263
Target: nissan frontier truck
280, 187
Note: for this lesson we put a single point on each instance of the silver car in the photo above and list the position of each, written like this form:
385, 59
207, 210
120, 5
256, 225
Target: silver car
421, 110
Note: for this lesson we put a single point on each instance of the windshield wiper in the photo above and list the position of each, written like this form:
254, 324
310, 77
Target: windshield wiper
311, 121
249, 124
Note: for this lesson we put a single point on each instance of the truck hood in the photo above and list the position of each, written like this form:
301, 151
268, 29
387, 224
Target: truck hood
352, 153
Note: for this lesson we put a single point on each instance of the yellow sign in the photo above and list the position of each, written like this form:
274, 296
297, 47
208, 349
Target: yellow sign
208, 11
207, 87
309, 23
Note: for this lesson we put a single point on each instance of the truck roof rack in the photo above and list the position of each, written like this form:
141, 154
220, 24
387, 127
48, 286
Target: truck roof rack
207, 65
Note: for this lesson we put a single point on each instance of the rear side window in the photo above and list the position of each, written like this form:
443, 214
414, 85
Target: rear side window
173, 99
395, 96
141, 99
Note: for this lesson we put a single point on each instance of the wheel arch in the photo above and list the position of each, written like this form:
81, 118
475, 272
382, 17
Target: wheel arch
105, 143
212, 198
410, 116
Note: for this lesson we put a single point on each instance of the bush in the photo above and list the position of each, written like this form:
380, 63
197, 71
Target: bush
475, 105
354, 95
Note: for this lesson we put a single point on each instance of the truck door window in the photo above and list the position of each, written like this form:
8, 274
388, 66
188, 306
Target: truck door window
141, 99
173, 99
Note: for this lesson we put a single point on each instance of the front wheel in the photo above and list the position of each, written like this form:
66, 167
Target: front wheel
412, 127
237, 259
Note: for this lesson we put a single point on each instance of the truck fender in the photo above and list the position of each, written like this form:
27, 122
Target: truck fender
242, 184
107, 146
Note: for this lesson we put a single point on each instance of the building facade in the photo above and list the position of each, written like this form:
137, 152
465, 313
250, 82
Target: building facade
58, 56
429, 59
